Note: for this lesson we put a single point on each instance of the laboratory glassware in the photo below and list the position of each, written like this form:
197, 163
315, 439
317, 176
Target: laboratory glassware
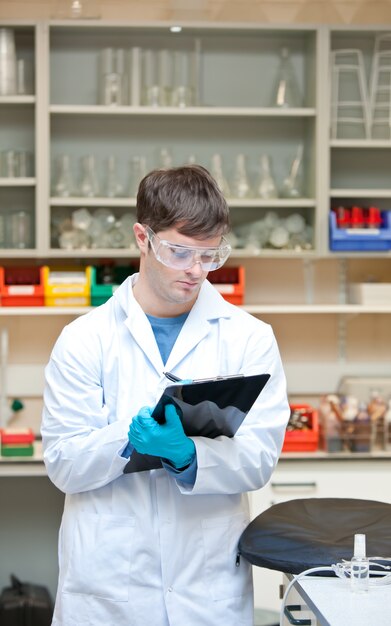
134, 74
266, 187
137, 171
63, 185
286, 91
81, 219
218, 175
359, 566
165, 158
113, 187
241, 186
74, 239
7, 62
150, 94
24, 163
291, 187
20, 233
89, 183
113, 77
183, 90
9, 164
76, 9
125, 224
165, 77
102, 221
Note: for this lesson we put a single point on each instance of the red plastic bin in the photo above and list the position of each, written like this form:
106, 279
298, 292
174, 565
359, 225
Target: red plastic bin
21, 286
303, 440
229, 281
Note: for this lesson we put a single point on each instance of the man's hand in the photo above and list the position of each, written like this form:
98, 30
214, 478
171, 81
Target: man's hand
167, 441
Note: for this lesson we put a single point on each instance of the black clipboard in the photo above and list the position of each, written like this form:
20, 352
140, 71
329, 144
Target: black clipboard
207, 408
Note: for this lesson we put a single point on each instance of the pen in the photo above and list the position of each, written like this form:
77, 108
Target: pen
172, 377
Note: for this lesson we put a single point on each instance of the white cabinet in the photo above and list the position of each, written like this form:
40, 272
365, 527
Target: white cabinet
233, 71
19, 146
326, 478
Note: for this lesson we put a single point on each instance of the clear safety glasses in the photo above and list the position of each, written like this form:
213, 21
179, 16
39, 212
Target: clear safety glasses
182, 257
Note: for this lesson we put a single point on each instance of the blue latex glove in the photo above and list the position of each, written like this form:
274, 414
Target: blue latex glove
168, 441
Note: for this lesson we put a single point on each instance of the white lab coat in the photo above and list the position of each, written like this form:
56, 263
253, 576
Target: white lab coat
144, 547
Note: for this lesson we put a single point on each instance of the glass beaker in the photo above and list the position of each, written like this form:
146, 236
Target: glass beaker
286, 91
138, 169
113, 187
165, 77
63, 183
20, 234
150, 86
183, 90
9, 164
7, 62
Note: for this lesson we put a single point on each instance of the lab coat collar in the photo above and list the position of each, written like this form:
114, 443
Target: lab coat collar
209, 306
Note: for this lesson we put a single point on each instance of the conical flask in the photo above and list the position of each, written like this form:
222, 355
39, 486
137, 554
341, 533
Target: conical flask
241, 187
286, 92
292, 185
63, 185
89, 183
266, 187
218, 175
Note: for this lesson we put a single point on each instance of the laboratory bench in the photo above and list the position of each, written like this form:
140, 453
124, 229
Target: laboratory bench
32, 507
330, 602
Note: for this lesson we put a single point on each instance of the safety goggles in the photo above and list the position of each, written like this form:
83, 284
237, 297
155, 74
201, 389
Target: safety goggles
182, 257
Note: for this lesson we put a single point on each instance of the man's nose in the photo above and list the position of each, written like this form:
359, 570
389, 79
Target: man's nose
196, 269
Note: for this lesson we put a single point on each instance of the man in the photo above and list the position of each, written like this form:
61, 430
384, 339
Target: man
159, 546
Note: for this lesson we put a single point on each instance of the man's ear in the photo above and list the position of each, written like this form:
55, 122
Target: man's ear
141, 237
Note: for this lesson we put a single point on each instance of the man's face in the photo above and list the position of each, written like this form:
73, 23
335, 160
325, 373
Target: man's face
169, 285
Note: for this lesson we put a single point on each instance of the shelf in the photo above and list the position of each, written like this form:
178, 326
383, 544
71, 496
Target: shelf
361, 143
17, 100
311, 309
17, 182
233, 202
201, 111
97, 201
360, 193
254, 309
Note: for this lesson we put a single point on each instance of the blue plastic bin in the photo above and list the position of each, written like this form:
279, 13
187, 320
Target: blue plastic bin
350, 239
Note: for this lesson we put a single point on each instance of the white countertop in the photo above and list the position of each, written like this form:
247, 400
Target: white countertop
333, 603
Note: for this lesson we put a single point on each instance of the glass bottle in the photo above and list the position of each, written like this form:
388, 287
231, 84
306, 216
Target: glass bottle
63, 185
218, 175
112, 77
89, 184
113, 186
266, 187
286, 92
241, 186
359, 566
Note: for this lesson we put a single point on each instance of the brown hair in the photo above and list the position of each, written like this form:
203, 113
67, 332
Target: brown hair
186, 197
